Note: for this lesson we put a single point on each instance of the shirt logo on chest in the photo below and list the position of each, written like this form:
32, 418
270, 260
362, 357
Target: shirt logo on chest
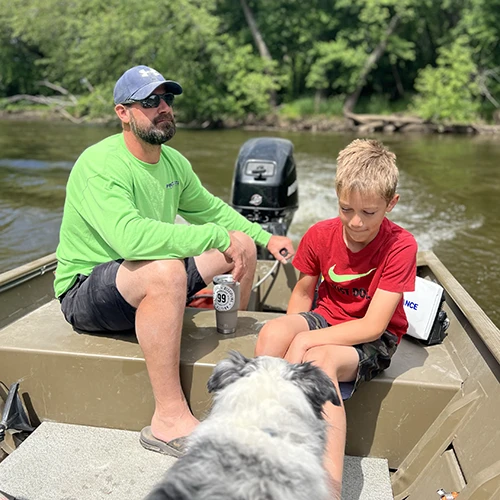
172, 184
342, 278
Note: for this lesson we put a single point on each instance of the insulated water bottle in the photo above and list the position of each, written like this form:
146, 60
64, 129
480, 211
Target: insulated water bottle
226, 302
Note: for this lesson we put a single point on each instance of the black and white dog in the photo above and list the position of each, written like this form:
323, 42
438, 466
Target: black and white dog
264, 438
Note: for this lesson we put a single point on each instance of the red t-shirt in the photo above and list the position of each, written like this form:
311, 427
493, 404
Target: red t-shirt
351, 279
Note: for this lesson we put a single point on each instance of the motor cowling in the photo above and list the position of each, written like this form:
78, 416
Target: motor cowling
265, 187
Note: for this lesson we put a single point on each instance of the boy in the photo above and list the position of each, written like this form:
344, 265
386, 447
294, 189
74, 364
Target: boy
365, 262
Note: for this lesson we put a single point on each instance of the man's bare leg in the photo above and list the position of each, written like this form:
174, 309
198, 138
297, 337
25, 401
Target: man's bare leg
158, 290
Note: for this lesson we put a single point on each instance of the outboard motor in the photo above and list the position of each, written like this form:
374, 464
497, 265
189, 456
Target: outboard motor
265, 187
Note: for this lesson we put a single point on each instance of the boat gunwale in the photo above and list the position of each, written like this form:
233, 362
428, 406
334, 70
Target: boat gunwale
479, 320
25, 272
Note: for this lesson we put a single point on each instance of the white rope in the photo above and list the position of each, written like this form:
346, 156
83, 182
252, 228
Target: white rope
264, 278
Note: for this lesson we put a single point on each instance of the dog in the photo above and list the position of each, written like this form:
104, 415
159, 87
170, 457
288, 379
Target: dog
264, 438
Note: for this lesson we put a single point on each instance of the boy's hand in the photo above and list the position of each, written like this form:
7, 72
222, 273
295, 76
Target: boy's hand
281, 248
298, 348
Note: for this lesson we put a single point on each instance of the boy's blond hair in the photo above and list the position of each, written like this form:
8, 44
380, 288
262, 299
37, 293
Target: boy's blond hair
368, 167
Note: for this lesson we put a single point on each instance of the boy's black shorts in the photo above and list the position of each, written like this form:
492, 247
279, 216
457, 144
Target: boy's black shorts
94, 304
374, 357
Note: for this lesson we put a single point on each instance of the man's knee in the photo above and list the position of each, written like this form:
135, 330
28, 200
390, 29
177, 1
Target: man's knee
247, 242
167, 274
154, 277
137, 280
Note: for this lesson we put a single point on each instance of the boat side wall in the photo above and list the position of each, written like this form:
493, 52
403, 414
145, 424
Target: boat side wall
460, 450
26, 288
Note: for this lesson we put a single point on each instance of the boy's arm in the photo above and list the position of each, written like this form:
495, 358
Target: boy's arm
358, 331
303, 294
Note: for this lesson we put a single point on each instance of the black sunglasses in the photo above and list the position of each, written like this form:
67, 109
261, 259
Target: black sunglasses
153, 101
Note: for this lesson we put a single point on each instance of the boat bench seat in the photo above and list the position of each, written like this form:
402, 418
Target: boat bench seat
101, 379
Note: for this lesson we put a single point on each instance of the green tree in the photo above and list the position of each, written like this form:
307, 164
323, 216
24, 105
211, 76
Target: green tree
17, 65
96, 41
290, 29
368, 30
372, 48
480, 21
448, 92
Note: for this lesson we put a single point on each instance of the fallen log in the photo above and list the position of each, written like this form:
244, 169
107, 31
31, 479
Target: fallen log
38, 99
372, 126
57, 103
368, 123
397, 120
59, 89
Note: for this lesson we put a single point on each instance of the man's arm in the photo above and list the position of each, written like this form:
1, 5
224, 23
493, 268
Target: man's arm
107, 204
199, 206
357, 331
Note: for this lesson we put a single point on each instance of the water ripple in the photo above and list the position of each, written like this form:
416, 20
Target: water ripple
20, 166
429, 218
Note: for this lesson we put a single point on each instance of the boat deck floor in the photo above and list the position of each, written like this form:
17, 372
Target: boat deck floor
74, 462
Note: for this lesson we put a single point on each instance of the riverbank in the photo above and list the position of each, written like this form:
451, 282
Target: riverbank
356, 123
367, 123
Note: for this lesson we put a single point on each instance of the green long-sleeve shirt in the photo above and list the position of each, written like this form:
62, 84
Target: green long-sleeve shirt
118, 207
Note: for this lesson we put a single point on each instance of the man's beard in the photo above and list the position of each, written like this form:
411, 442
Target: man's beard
155, 134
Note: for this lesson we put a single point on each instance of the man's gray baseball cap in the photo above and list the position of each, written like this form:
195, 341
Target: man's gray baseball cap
139, 82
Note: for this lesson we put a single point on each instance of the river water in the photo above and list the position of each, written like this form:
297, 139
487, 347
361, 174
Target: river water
449, 187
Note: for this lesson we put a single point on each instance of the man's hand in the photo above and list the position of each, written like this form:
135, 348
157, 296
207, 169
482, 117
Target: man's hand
281, 248
236, 254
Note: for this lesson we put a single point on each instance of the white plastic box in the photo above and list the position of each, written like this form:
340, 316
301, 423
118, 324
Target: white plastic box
421, 307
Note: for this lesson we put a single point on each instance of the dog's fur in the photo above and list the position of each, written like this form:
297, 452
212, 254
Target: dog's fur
264, 438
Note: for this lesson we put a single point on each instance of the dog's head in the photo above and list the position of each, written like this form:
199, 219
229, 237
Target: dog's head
314, 383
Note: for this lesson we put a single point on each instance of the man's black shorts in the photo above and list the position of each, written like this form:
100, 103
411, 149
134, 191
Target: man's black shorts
94, 304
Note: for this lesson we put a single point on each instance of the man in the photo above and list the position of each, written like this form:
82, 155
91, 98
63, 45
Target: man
123, 263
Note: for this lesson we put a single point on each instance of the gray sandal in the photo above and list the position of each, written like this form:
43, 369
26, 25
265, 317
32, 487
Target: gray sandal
175, 448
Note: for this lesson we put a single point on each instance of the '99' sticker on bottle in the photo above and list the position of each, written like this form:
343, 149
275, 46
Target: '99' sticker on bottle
224, 298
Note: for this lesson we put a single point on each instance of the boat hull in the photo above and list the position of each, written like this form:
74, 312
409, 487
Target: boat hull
433, 414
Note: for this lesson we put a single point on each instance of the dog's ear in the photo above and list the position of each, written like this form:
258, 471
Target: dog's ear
229, 370
315, 384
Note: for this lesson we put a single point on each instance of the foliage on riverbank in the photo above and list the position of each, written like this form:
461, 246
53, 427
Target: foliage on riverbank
291, 118
438, 61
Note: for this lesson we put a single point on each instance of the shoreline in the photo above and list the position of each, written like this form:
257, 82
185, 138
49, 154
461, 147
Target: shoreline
388, 124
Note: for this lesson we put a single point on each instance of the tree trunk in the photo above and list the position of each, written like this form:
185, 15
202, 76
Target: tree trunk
352, 99
319, 97
259, 42
397, 79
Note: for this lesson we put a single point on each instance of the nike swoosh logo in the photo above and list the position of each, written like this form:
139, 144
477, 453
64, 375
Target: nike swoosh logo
341, 278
